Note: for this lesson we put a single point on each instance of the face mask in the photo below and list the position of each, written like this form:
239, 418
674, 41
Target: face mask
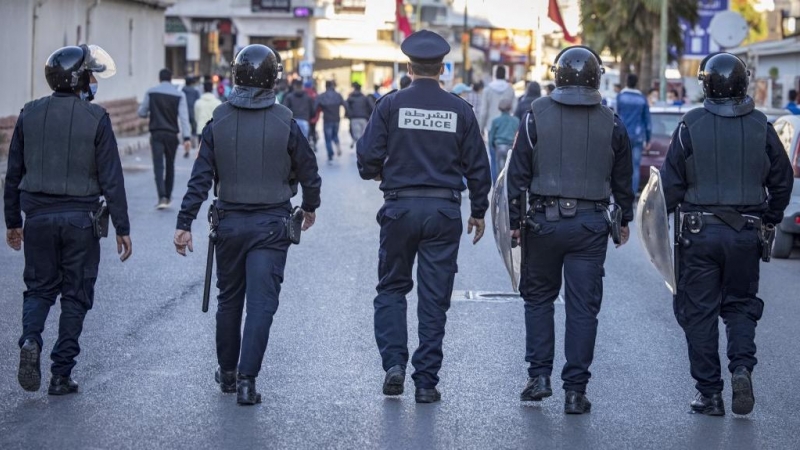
93, 88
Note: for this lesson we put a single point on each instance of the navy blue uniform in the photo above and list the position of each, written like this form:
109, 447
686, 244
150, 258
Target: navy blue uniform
719, 270
577, 246
251, 253
423, 142
62, 254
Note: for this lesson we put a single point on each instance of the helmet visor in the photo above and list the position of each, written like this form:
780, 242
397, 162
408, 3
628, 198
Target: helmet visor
100, 62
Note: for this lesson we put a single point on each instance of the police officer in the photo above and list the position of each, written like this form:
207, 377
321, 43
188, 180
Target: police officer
571, 154
729, 172
63, 156
421, 143
255, 151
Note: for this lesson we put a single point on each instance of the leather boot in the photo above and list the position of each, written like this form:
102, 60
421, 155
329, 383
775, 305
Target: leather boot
395, 378
61, 385
536, 389
30, 373
424, 395
576, 403
246, 391
742, 386
226, 380
710, 406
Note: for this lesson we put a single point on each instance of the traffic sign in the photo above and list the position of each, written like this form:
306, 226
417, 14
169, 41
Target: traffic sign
305, 69
697, 41
448, 71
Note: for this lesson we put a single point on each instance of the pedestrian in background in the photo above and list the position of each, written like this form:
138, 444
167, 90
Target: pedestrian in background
792, 105
474, 97
730, 174
359, 108
192, 94
257, 153
311, 90
422, 165
405, 81
205, 105
501, 136
63, 157
330, 104
301, 105
633, 109
572, 154
166, 106
495, 92
532, 92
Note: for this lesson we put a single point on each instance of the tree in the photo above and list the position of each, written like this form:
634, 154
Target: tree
630, 29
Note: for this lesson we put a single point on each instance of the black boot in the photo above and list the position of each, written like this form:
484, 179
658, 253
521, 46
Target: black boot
427, 395
246, 391
536, 389
30, 373
742, 386
395, 378
61, 385
226, 380
576, 403
710, 406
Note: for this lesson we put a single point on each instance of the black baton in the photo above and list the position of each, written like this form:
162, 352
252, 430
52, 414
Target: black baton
213, 222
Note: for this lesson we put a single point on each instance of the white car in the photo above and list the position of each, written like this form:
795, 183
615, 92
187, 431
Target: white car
787, 233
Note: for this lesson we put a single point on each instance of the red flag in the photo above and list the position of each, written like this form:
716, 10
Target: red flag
402, 20
554, 13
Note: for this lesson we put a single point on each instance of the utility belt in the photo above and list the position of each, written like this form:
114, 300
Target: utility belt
695, 221
293, 223
443, 193
554, 208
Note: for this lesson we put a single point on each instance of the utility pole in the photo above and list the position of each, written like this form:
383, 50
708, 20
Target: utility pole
465, 49
662, 76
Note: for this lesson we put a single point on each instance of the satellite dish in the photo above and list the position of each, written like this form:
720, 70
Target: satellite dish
728, 29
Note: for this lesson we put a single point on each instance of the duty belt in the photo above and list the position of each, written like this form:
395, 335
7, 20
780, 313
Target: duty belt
694, 221
447, 194
555, 208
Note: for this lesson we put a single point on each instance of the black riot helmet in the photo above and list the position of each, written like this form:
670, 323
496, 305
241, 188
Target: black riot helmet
724, 76
578, 66
68, 69
257, 66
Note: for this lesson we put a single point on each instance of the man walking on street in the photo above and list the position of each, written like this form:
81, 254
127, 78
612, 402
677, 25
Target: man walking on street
257, 154
192, 94
422, 166
301, 105
571, 154
497, 91
330, 103
731, 176
359, 108
63, 157
206, 104
633, 109
166, 106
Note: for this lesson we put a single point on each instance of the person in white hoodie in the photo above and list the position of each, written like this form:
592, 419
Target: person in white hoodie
493, 94
498, 91
205, 105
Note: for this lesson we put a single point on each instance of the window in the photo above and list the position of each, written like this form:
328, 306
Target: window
350, 6
272, 5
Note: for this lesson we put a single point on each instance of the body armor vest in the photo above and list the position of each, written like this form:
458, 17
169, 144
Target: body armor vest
573, 156
59, 154
729, 163
250, 149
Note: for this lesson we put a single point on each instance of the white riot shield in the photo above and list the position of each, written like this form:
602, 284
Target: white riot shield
652, 224
512, 257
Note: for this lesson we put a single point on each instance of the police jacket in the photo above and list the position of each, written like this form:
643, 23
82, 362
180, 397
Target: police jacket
302, 164
728, 156
51, 134
585, 154
423, 136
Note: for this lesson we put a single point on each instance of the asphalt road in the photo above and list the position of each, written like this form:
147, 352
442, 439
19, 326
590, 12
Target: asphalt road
146, 369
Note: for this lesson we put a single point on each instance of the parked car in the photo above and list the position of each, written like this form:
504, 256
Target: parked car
787, 233
665, 120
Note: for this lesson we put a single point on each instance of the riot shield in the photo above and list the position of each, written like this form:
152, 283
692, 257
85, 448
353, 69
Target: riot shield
652, 224
501, 224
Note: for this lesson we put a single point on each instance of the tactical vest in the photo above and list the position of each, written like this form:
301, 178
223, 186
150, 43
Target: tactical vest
729, 163
59, 146
573, 156
250, 149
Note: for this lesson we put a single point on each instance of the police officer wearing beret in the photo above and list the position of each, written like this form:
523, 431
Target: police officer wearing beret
729, 172
63, 157
571, 154
421, 143
257, 154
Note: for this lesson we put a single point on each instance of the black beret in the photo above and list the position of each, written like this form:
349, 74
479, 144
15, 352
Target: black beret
425, 46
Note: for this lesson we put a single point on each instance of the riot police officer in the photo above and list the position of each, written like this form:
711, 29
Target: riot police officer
729, 172
63, 156
256, 153
421, 143
571, 154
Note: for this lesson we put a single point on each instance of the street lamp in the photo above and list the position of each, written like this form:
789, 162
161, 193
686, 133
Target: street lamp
662, 76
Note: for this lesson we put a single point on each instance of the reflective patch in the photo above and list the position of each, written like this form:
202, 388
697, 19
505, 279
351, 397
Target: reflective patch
423, 119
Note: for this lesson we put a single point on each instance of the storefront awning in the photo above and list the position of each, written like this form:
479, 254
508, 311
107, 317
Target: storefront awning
379, 51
